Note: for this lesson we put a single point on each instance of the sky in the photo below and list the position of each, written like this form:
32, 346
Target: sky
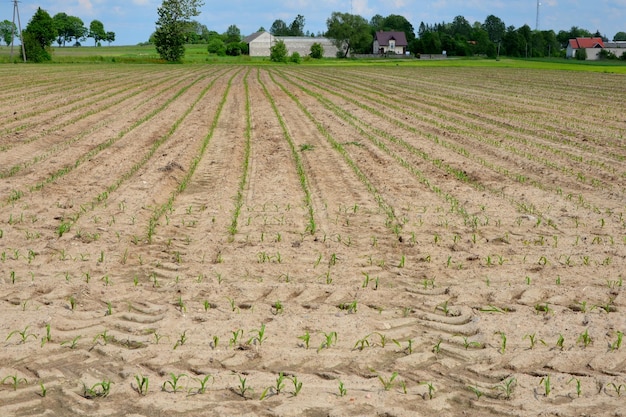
134, 20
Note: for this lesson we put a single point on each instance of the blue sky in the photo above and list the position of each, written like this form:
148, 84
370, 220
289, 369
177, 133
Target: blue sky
133, 20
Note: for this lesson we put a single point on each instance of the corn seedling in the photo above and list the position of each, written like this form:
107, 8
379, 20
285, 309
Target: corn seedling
236, 334
342, 389
15, 381
48, 337
109, 309
181, 340
387, 383
362, 343
533, 340
443, 307
297, 386
506, 387
215, 342
584, 338
181, 304
618, 343
306, 338
328, 340
202, 381
243, 387
468, 344
617, 388
277, 308
172, 383
259, 336
437, 348
349, 307
42, 390
559, 342
72, 343
578, 387
104, 336
97, 390
547, 388
142, 384
24, 335
431, 389
476, 391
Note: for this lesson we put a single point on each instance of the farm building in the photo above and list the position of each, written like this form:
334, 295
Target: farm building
261, 42
593, 46
390, 42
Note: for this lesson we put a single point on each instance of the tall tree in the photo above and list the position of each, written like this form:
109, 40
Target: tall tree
279, 28
38, 36
619, 36
495, 28
297, 26
174, 16
399, 23
7, 31
97, 32
232, 35
349, 32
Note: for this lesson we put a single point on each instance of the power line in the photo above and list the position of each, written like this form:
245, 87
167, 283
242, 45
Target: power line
16, 11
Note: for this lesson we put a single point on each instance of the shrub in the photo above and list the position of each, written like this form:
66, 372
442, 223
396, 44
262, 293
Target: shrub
581, 54
317, 51
295, 58
278, 52
216, 46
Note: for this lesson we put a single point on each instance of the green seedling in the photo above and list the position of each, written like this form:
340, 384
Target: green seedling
443, 307
157, 337
15, 381
476, 391
142, 384
546, 385
236, 334
259, 336
98, 390
618, 343
173, 383
48, 337
342, 389
578, 387
181, 340
437, 348
181, 304
467, 343
387, 383
502, 342
506, 387
277, 308
216, 340
559, 342
297, 386
243, 387
362, 343
24, 335
202, 381
306, 338
109, 309
72, 343
280, 383
584, 338
104, 336
409, 347
328, 340
72, 301
431, 389
43, 391
617, 388
349, 307
533, 340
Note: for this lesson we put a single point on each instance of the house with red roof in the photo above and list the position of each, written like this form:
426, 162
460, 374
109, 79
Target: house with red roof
592, 46
390, 42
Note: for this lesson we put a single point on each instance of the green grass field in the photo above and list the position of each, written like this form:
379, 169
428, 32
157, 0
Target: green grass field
196, 54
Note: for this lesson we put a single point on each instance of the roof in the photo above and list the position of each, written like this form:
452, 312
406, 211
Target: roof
585, 43
383, 38
252, 37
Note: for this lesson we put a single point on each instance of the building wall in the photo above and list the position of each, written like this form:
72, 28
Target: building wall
302, 45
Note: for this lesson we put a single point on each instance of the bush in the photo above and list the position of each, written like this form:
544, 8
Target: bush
317, 51
216, 46
295, 58
581, 54
233, 49
34, 51
278, 52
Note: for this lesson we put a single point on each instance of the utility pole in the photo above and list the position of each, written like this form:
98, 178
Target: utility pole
16, 11
537, 21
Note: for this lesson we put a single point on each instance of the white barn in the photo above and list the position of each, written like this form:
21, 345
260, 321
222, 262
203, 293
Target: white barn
260, 43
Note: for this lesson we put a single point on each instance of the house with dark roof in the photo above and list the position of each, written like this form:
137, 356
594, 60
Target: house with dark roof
390, 42
593, 46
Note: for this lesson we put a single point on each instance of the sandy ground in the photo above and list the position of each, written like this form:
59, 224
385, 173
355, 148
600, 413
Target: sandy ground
298, 241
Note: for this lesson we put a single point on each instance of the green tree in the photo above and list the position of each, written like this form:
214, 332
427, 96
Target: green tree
7, 31
349, 33
174, 16
278, 52
495, 28
317, 50
232, 35
398, 23
97, 32
297, 26
279, 28
110, 37
619, 36
38, 36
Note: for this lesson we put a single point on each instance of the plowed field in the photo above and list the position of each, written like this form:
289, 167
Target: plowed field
397, 241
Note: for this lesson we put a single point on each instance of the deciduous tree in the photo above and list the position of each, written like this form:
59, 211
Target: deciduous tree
38, 36
7, 31
174, 16
349, 33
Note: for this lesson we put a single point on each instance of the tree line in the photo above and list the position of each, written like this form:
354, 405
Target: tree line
43, 30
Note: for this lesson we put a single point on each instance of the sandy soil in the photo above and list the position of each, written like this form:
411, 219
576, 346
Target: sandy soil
301, 241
